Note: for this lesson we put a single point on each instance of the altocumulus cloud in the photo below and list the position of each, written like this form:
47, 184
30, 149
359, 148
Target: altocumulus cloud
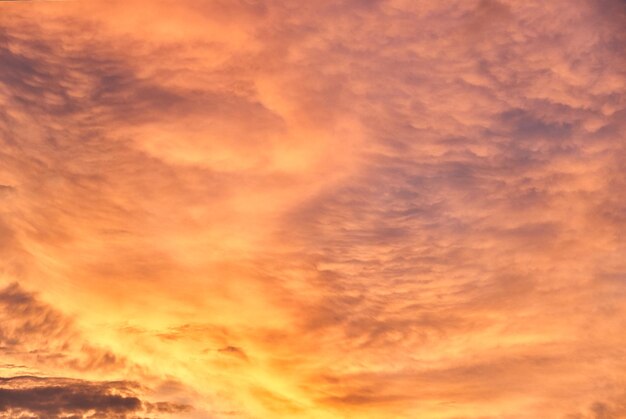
356, 209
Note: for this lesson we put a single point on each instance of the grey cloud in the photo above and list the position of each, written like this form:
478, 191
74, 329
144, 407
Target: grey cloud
52, 397
49, 397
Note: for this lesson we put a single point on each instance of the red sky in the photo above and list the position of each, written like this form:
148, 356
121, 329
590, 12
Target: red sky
370, 209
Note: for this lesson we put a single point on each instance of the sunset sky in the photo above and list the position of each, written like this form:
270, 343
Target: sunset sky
351, 209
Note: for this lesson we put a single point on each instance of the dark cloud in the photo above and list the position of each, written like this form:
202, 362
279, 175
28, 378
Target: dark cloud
234, 351
49, 397
61, 397
608, 409
167, 407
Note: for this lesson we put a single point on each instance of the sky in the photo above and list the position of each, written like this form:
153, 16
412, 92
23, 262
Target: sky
357, 209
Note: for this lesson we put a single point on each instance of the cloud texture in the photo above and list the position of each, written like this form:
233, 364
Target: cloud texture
330, 209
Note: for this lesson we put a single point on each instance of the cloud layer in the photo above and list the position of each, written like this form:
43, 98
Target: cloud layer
342, 209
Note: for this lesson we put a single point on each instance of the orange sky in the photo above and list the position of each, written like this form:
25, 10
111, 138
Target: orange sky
368, 209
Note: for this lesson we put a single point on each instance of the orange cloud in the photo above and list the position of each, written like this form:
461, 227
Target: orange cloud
346, 209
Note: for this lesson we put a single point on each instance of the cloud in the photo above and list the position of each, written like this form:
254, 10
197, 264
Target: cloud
334, 209
62, 397
234, 351
44, 339
54, 398
35, 332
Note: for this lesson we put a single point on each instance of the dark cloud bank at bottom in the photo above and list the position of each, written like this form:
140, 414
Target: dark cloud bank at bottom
52, 397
